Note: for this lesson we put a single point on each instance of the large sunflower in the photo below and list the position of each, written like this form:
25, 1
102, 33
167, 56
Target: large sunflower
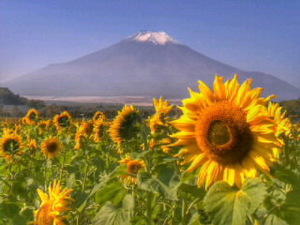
124, 126
51, 147
53, 206
11, 145
226, 132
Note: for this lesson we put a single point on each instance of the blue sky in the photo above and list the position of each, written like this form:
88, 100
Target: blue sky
254, 35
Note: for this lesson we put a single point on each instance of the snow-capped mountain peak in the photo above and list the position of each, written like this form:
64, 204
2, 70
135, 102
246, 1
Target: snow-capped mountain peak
158, 38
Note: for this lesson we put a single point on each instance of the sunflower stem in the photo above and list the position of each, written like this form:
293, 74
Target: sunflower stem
62, 167
149, 208
191, 205
183, 212
10, 178
86, 171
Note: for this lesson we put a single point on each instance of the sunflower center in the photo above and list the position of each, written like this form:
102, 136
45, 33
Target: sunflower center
130, 126
218, 133
11, 146
134, 168
52, 147
64, 121
223, 133
43, 215
32, 116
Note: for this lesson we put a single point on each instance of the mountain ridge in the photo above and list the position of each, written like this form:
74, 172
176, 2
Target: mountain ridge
132, 67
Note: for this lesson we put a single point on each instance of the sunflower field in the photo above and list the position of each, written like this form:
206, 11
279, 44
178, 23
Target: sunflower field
230, 157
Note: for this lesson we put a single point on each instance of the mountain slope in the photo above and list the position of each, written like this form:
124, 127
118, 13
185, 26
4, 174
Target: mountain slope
147, 64
9, 98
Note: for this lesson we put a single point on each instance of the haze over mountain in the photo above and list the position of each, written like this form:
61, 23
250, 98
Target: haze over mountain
145, 64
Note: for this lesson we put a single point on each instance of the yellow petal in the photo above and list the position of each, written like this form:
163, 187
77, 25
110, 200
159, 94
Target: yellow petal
229, 175
205, 90
246, 86
184, 124
44, 197
219, 87
202, 173
197, 161
260, 161
183, 134
212, 173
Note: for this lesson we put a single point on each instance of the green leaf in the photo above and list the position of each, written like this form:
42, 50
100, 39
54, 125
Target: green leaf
9, 210
229, 205
286, 175
193, 190
71, 180
164, 181
274, 220
103, 181
111, 215
113, 192
290, 209
105, 178
195, 219
138, 220
256, 190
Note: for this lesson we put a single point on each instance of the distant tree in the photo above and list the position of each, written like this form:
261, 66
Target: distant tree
37, 104
293, 108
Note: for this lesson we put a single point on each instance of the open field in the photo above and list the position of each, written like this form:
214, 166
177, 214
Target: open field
124, 100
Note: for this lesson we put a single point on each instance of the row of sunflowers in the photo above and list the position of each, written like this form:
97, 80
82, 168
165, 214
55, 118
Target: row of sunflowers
232, 157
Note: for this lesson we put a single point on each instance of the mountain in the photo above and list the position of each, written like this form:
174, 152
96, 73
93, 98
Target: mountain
145, 64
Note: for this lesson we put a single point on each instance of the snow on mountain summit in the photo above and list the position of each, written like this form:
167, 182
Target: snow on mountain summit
158, 38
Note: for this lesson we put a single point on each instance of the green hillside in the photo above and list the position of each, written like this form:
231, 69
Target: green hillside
9, 98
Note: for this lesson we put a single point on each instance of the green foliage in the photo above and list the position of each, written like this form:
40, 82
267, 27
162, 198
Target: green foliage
164, 181
229, 205
109, 214
163, 194
286, 175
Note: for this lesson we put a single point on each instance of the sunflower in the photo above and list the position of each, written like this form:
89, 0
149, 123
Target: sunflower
165, 142
31, 117
45, 124
32, 143
125, 125
98, 131
54, 205
62, 120
99, 116
282, 124
132, 168
158, 120
51, 147
8, 131
79, 138
11, 145
87, 127
227, 132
